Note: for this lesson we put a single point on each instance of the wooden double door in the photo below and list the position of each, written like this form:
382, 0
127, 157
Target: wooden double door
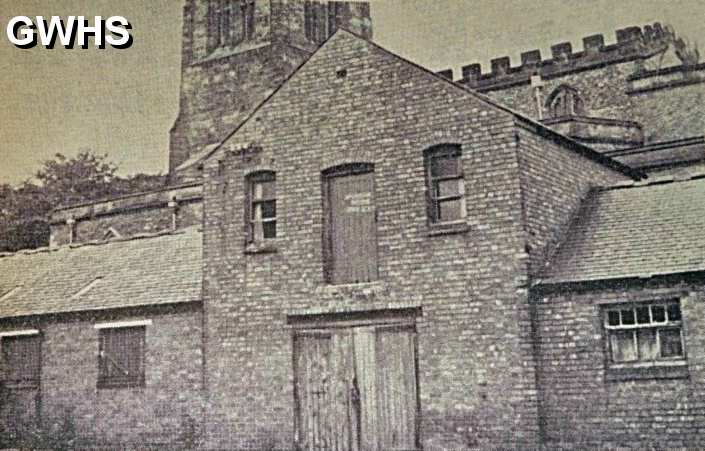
356, 388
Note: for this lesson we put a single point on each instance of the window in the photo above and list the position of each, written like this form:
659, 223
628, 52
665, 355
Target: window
21, 360
446, 188
564, 101
645, 333
121, 357
230, 22
262, 206
320, 20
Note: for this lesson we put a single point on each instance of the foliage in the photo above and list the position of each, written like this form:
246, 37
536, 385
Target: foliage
25, 209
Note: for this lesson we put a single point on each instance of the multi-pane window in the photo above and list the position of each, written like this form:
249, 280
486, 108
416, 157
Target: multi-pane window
262, 211
320, 19
21, 360
446, 188
645, 332
230, 22
121, 357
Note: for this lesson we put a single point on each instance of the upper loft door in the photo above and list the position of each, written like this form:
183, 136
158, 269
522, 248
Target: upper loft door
351, 225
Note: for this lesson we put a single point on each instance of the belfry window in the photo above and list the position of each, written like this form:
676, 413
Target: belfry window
262, 206
446, 187
320, 20
564, 101
230, 22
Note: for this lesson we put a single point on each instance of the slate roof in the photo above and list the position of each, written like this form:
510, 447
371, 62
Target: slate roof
643, 230
144, 270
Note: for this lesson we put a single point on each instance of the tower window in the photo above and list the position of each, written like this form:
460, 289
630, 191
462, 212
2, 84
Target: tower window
262, 206
230, 22
320, 20
564, 101
446, 187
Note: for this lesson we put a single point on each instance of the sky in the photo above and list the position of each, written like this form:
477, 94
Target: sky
123, 102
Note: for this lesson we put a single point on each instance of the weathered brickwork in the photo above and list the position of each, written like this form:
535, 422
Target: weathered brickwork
554, 184
475, 327
581, 408
160, 413
175, 207
220, 88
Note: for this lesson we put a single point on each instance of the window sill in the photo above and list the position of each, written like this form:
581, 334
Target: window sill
112, 385
677, 369
448, 228
24, 385
261, 247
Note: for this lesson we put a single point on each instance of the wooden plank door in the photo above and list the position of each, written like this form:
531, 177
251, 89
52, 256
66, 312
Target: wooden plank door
397, 401
353, 228
327, 413
356, 389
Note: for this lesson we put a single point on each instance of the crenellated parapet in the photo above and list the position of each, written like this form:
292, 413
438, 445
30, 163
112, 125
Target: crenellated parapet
633, 43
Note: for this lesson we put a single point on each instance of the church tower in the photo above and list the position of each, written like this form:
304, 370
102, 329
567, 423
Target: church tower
234, 54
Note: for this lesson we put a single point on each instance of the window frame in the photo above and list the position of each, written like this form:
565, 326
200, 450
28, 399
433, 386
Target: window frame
32, 381
107, 381
433, 198
320, 19
644, 368
230, 23
251, 203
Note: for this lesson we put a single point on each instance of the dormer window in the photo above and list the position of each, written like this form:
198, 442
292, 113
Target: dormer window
564, 101
230, 22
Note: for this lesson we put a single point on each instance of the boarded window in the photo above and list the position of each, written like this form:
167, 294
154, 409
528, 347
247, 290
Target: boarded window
121, 357
446, 187
320, 20
21, 361
262, 206
644, 332
351, 224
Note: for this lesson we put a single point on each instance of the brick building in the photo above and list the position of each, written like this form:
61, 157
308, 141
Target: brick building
358, 253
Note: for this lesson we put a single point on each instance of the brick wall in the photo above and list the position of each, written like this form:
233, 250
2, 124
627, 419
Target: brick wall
476, 377
156, 414
581, 409
130, 215
554, 182
218, 90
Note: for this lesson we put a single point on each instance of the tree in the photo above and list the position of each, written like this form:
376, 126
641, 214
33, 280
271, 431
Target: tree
62, 181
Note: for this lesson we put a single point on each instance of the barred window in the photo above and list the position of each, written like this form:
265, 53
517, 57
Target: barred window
262, 206
21, 360
446, 187
645, 332
121, 356
564, 101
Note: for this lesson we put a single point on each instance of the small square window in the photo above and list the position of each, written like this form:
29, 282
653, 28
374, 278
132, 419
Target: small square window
121, 357
21, 361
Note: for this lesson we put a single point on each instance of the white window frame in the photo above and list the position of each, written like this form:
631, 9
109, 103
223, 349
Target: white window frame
658, 325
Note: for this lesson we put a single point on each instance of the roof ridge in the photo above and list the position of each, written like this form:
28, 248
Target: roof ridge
660, 180
139, 236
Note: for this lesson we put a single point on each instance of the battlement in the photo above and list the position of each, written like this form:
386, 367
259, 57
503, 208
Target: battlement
632, 43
